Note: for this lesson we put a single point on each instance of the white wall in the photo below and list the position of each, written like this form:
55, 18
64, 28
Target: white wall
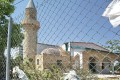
74, 52
69, 49
63, 46
81, 60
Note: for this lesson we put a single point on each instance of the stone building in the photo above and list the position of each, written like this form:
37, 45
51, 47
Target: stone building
80, 55
91, 57
35, 52
50, 57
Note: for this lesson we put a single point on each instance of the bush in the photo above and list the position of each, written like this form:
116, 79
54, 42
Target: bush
86, 75
53, 73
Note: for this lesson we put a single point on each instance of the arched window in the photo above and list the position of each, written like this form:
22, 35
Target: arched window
59, 62
37, 61
106, 63
92, 64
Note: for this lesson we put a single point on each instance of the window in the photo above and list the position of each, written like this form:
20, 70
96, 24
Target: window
37, 61
59, 62
66, 45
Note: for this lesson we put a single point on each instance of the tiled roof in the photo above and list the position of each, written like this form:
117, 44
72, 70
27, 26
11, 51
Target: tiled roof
88, 45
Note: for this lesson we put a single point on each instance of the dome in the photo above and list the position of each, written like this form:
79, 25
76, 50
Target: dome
54, 51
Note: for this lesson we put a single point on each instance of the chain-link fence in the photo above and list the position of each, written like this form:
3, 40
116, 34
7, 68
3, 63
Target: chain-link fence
57, 39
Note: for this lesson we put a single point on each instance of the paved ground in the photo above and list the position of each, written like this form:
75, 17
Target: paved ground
108, 76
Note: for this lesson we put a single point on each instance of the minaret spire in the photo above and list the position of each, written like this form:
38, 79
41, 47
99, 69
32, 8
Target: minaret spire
30, 4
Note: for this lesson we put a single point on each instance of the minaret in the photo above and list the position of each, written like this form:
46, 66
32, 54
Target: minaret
31, 26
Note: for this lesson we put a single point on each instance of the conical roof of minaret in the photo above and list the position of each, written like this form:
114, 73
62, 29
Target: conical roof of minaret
30, 4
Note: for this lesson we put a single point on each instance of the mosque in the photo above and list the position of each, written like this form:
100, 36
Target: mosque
78, 55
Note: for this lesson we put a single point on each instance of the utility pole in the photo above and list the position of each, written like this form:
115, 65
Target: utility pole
8, 49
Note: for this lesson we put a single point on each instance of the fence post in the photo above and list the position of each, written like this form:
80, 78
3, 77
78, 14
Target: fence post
8, 49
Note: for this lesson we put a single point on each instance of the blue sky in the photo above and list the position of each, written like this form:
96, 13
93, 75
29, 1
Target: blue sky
70, 20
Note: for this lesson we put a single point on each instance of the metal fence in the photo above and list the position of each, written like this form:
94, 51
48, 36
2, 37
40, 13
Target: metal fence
53, 37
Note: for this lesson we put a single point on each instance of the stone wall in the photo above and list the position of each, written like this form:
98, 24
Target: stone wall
47, 60
99, 56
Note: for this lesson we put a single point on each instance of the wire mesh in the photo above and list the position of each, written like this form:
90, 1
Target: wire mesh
73, 35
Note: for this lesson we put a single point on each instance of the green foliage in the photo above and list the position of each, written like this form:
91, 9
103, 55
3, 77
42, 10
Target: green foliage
86, 75
53, 73
47, 74
6, 9
17, 61
16, 40
114, 46
17, 36
117, 68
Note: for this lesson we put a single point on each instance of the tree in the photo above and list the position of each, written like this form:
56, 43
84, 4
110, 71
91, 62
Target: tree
6, 9
114, 46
